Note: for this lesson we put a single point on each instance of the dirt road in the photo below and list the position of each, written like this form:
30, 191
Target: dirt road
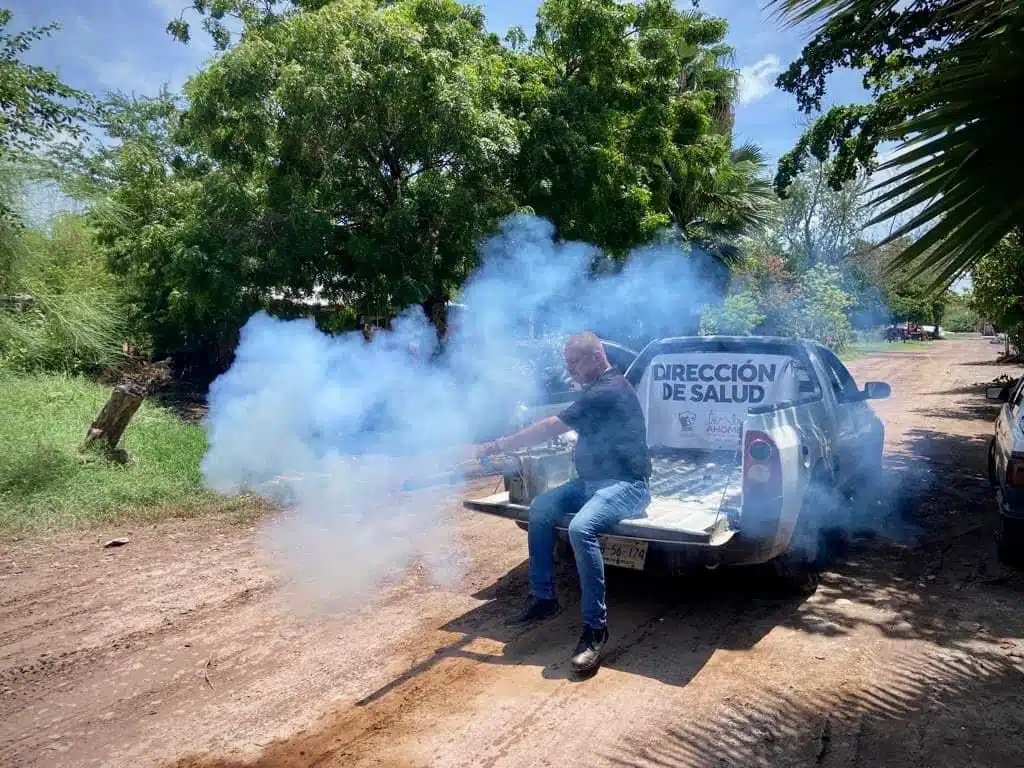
177, 649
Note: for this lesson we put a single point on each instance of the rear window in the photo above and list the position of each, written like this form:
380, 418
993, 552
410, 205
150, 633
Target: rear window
699, 399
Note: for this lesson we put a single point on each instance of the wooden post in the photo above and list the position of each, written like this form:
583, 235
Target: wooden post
108, 427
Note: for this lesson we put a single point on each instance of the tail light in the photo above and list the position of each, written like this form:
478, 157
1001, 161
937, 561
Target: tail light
1015, 472
762, 483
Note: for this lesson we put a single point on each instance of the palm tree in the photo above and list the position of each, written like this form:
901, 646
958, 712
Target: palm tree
957, 165
712, 204
714, 207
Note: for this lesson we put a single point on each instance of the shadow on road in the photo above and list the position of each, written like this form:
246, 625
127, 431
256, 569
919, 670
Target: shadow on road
662, 628
997, 361
969, 389
975, 412
941, 712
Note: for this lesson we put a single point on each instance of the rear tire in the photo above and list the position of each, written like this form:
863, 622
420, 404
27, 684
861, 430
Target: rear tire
797, 571
1010, 541
795, 575
865, 499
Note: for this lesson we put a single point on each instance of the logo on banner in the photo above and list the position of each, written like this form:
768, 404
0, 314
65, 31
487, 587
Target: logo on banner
723, 425
686, 420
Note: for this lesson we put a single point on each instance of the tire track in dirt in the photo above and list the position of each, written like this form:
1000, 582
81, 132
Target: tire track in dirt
440, 683
28, 676
435, 691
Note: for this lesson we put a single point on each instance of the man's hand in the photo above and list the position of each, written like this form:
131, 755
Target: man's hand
537, 433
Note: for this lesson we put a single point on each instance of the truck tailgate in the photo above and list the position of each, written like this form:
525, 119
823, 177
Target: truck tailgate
689, 500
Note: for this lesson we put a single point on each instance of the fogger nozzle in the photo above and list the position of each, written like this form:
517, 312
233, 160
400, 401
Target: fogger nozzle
469, 470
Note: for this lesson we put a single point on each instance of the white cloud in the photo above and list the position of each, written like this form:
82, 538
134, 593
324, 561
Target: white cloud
122, 75
757, 80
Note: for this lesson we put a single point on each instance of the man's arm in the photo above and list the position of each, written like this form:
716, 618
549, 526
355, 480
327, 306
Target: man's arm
539, 432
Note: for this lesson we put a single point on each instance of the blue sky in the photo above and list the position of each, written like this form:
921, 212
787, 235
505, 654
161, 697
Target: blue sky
122, 45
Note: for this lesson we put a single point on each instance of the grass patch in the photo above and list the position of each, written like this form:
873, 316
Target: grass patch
865, 348
45, 483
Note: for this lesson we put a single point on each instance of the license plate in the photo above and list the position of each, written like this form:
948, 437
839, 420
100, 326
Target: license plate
624, 553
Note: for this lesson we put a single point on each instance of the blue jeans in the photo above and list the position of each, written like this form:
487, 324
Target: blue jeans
595, 507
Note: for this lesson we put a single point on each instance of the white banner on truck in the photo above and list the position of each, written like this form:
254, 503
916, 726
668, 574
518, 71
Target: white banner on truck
699, 399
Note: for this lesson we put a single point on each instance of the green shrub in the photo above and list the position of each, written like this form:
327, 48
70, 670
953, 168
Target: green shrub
60, 309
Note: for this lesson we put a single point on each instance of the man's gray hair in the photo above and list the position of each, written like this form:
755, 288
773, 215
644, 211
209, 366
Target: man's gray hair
585, 341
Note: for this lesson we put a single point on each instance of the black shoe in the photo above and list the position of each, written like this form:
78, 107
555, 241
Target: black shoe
535, 610
587, 655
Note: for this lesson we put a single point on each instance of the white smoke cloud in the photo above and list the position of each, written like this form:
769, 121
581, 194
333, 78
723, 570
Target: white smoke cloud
331, 426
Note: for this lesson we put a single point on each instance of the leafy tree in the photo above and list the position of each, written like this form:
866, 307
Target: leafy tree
908, 303
888, 297
960, 316
941, 74
815, 225
357, 152
769, 298
626, 120
998, 287
35, 104
378, 137
360, 149
219, 15
37, 109
819, 307
175, 230
719, 209
818, 224
739, 314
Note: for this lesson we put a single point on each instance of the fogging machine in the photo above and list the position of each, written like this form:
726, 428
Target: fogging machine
526, 475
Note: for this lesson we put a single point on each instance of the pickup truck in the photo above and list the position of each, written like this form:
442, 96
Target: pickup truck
757, 443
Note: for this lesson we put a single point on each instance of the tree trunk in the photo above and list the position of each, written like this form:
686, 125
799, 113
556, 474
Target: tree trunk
108, 427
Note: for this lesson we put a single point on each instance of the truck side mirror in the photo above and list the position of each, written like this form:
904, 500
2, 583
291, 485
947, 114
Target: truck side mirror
876, 390
999, 394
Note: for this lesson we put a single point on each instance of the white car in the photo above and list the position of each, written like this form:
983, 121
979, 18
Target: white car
1006, 469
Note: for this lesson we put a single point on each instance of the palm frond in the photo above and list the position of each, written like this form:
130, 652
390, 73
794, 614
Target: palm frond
795, 12
962, 164
749, 153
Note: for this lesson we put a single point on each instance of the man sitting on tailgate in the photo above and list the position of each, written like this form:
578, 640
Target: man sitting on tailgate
613, 467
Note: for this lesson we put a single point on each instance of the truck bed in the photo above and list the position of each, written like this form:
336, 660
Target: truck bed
690, 495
